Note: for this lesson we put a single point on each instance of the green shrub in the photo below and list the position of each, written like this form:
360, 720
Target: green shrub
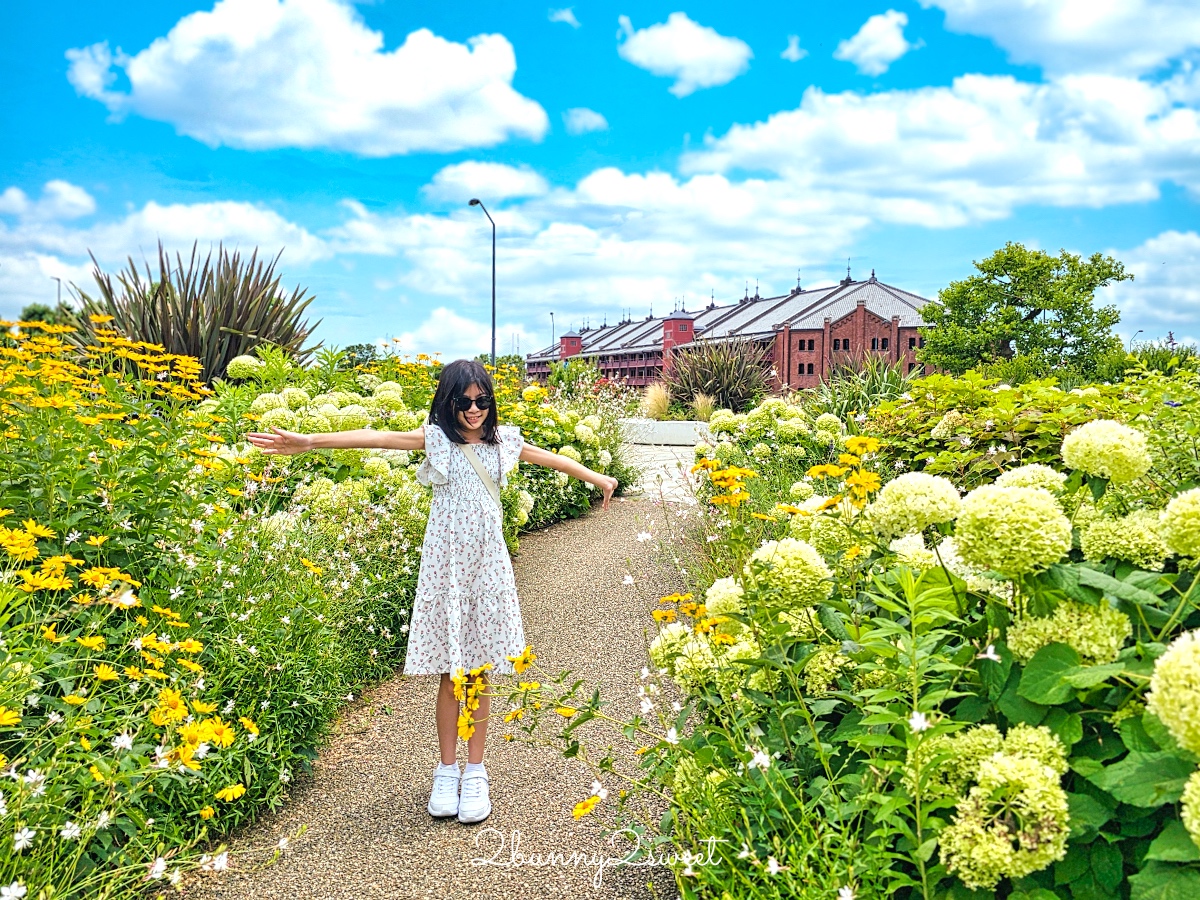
733, 373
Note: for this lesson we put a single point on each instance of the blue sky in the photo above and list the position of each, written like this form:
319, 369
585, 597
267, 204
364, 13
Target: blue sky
633, 156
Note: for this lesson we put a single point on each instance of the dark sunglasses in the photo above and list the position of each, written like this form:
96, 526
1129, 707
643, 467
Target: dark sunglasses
482, 403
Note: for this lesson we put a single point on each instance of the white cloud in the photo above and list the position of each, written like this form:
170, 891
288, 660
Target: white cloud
878, 44
694, 55
60, 200
258, 74
28, 277
1164, 295
793, 51
974, 151
485, 180
1118, 36
566, 16
455, 336
581, 120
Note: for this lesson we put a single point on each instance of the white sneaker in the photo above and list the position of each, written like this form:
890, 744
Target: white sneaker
443, 801
474, 804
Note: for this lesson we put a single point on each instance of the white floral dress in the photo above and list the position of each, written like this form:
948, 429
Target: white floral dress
466, 610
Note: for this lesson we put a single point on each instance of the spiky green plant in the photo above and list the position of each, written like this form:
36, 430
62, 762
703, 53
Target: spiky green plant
213, 308
703, 406
734, 373
656, 401
855, 387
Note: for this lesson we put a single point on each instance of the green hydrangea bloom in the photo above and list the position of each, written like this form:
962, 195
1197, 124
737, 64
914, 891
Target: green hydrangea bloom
208, 405
604, 459
521, 518
313, 492
666, 645
795, 570
761, 451
722, 420
350, 417
1012, 530
385, 387
242, 367
822, 668
279, 417
1179, 524
800, 491
1096, 633
823, 436
1014, 822
266, 401
725, 451
525, 501
1133, 538
1034, 475
367, 381
701, 450
345, 398
353, 457
387, 402
724, 596
313, 423
570, 453
696, 664
295, 397
585, 435
947, 763
828, 422
1037, 742
792, 430
593, 422
949, 425
1190, 811
376, 465
1107, 449
911, 551
732, 676
911, 503
1175, 690
976, 580
828, 533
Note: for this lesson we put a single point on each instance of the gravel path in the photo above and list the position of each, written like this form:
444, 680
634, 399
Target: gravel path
369, 835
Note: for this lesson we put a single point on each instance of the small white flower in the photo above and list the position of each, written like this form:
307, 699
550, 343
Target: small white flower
672, 736
644, 536
645, 673
36, 781
688, 870
3, 805
33, 701
14, 891
760, 760
176, 593
627, 580
989, 653
103, 820
919, 722
646, 706
264, 704
745, 852
283, 842
176, 877
285, 776
73, 536
286, 620
846, 893
713, 537
23, 840
599, 790
158, 869
773, 866
220, 862
123, 741
202, 750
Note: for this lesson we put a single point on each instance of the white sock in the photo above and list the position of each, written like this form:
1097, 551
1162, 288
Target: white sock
451, 769
474, 767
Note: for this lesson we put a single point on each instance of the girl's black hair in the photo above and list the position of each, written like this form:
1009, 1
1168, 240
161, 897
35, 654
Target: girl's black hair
453, 382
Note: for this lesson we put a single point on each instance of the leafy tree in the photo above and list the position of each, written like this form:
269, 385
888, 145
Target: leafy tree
359, 355
506, 359
1024, 303
59, 314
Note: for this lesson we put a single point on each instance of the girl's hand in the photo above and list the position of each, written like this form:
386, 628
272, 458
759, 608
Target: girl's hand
281, 443
607, 484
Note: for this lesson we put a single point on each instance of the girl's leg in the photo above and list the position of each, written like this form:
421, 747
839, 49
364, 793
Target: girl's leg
447, 721
475, 744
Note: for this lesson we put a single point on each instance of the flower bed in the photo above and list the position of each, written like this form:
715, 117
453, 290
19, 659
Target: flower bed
183, 617
890, 687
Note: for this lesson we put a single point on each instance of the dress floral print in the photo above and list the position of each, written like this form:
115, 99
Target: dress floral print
466, 610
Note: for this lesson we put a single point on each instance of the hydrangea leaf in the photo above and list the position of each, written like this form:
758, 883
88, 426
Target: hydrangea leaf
1090, 676
1146, 779
1042, 681
1165, 881
1067, 726
1174, 844
1107, 866
1115, 587
994, 674
1088, 815
1135, 736
1015, 707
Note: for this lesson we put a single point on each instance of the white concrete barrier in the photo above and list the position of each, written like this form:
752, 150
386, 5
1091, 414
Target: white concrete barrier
670, 433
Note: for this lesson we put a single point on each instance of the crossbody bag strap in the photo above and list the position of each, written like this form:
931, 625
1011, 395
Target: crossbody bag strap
484, 475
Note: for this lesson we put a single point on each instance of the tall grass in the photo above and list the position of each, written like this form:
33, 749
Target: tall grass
703, 406
854, 388
656, 401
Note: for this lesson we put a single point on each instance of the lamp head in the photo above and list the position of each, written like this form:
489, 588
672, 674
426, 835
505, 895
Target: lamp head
474, 201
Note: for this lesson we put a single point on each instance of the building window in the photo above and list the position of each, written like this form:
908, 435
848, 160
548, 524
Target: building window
912, 342
911, 366
837, 344
810, 369
812, 345
921, 342
683, 326
874, 343
884, 344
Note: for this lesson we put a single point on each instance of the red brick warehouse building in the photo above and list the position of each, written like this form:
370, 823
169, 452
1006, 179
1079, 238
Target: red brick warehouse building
805, 334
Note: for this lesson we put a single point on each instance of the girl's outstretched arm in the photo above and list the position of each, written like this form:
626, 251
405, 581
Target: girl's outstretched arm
288, 443
540, 457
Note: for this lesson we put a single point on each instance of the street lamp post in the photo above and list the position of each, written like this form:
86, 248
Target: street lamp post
475, 202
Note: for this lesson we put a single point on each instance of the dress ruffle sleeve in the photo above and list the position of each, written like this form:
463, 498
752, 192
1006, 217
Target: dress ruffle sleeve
511, 443
436, 467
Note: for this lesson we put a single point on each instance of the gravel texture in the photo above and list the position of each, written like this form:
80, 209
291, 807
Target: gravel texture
369, 834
